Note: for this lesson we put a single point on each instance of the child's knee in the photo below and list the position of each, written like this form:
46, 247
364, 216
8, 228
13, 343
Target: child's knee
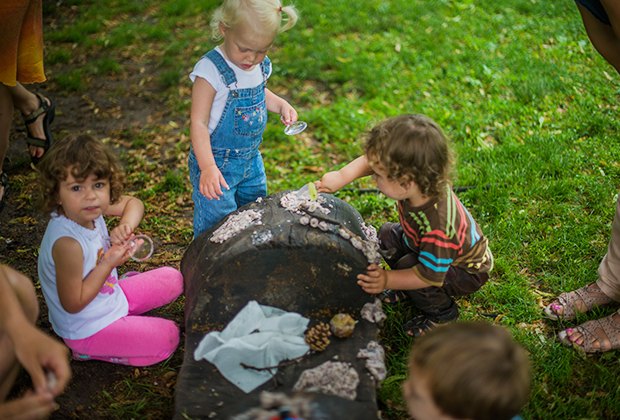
25, 292
169, 337
390, 235
174, 279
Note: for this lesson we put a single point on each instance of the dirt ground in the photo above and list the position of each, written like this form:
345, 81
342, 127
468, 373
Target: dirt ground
114, 107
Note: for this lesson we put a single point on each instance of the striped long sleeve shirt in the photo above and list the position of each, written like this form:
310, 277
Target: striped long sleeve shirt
443, 233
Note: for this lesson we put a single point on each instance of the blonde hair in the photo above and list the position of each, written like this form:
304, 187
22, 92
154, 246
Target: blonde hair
473, 370
411, 148
270, 14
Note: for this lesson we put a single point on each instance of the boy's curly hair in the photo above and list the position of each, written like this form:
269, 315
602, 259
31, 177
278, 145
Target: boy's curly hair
84, 156
411, 148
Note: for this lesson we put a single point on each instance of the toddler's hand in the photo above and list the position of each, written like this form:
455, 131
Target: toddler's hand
211, 183
288, 115
118, 254
330, 182
121, 234
374, 281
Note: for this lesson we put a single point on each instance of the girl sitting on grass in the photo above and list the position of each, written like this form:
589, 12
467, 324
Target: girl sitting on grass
97, 315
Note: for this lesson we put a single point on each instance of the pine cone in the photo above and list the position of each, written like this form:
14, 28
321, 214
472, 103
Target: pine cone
317, 336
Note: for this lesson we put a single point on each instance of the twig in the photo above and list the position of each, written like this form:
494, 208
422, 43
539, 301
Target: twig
283, 363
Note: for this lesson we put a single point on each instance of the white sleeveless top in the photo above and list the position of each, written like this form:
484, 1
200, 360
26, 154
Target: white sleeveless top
205, 69
109, 305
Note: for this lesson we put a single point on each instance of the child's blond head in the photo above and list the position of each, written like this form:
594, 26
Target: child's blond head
266, 16
84, 156
472, 370
411, 148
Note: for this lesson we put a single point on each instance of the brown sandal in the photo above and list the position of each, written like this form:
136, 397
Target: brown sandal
605, 332
586, 297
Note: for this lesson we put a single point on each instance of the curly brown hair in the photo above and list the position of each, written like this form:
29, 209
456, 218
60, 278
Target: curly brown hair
473, 370
411, 147
83, 156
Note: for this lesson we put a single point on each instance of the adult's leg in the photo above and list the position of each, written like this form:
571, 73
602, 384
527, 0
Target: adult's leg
604, 291
21, 43
605, 38
603, 334
27, 102
609, 269
6, 120
26, 296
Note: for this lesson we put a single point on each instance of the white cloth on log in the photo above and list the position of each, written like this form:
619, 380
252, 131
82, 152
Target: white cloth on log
258, 337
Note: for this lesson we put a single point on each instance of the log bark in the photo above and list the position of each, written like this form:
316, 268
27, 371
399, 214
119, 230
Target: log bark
286, 264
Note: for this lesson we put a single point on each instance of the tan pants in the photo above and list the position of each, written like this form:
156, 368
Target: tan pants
609, 270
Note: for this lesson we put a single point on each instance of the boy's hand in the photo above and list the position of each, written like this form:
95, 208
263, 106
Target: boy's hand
211, 182
374, 281
330, 182
121, 234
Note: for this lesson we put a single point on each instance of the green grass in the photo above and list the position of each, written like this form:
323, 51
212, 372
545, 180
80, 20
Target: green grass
531, 108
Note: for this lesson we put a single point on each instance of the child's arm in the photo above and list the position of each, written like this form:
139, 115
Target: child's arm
211, 179
131, 211
377, 280
277, 104
333, 181
75, 292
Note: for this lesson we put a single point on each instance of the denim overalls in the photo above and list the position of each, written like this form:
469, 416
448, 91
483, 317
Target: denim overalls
234, 143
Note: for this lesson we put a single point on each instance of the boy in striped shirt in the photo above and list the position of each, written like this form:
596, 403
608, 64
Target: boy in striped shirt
437, 251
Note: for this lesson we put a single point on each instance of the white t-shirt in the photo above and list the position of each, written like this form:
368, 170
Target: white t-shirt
109, 305
205, 69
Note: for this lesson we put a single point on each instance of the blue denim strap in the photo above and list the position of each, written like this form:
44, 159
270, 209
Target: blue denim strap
265, 67
228, 75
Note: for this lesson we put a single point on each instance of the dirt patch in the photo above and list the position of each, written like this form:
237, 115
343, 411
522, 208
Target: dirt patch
118, 108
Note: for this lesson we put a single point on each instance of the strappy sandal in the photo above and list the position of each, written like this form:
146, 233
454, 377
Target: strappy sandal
605, 332
392, 297
568, 302
4, 183
49, 109
420, 325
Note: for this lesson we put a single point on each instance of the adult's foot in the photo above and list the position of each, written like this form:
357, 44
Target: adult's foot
37, 117
596, 336
567, 305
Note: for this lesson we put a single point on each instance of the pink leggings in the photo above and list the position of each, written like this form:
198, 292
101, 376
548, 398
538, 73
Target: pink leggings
137, 340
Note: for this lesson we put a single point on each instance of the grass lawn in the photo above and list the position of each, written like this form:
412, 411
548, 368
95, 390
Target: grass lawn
531, 108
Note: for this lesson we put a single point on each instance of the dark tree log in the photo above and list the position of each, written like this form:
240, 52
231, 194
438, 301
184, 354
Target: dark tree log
286, 264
